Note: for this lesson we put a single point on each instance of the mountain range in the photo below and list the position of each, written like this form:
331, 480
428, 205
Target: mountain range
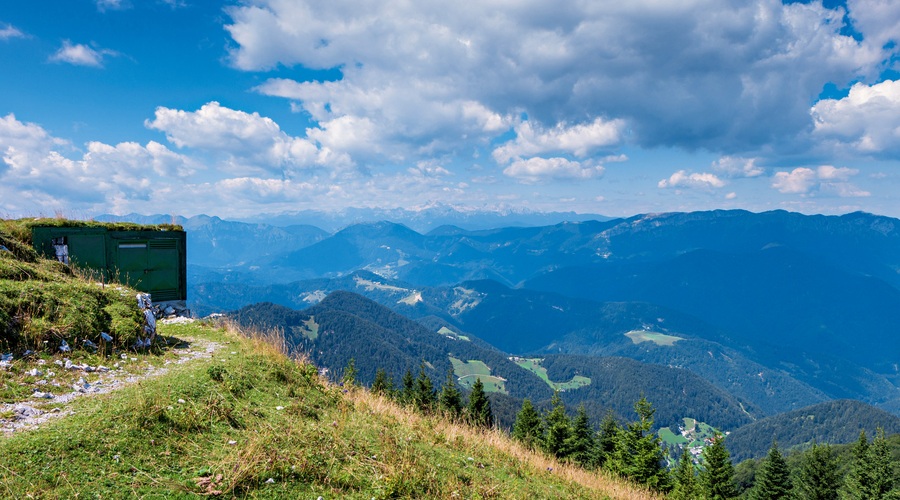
779, 310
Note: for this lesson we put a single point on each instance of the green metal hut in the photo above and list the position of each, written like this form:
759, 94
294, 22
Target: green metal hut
148, 258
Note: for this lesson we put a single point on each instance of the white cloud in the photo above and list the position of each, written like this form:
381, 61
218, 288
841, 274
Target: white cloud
731, 196
877, 20
81, 55
250, 142
737, 167
825, 179
798, 181
535, 169
866, 121
35, 165
729, 76
9, 31
830, 173
579, 140
682, 179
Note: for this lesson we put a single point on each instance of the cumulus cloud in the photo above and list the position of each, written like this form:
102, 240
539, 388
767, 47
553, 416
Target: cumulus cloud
866, 121
535, 169
9, 31
737, 167
877, 20
826, 179
682, 179
250, 142
578, 140
40, 172
81, 55
729, 76
39, 167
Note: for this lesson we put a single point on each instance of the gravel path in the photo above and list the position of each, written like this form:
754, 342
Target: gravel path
31, 414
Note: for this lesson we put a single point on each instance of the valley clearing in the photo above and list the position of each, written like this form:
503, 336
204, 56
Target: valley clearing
240, 418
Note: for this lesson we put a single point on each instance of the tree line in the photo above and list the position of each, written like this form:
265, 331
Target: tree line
633, 451
420, 393
636, 453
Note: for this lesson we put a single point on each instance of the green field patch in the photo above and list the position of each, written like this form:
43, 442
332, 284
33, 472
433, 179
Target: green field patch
451, 334
471, 367
470, 371
638, 336
491, 383
534, 366
310, 329
670, 437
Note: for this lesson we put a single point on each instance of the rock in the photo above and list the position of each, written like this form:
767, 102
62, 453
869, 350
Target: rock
88, 343
42, 395
272, 481
69, 365
34, 372
6, 357
64, 347
106, 337
25, 411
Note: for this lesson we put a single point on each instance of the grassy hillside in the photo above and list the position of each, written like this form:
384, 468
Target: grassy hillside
249, 421
43, 302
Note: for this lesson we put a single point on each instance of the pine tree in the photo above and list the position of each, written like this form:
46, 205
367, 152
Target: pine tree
607, 438
528, 427
647, 463
686, 486
818, 478
382, 384
580, 444
857, 480
773, 480
558, 427
717, 477
424, 394
450, 400
407, 391
881, 467
479, 408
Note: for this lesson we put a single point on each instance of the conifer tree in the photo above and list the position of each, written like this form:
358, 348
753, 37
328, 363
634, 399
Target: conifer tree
479, 409
717, 477
773, 480
684, 479
879, 469
858, 478
871, 475
424, 393
528, 427
450, 400
607, 438
558, 428
382, 384
817, 478
408, 388
647, 463
580, 444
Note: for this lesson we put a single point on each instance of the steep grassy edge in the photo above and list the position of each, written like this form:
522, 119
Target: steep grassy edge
250, 422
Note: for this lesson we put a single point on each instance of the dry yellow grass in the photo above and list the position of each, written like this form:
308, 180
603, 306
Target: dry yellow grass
433, 429
477, 440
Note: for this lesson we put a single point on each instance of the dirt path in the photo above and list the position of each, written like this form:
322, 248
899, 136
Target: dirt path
53, 399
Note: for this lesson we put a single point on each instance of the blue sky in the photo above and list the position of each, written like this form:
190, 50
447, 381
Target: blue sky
238, 108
